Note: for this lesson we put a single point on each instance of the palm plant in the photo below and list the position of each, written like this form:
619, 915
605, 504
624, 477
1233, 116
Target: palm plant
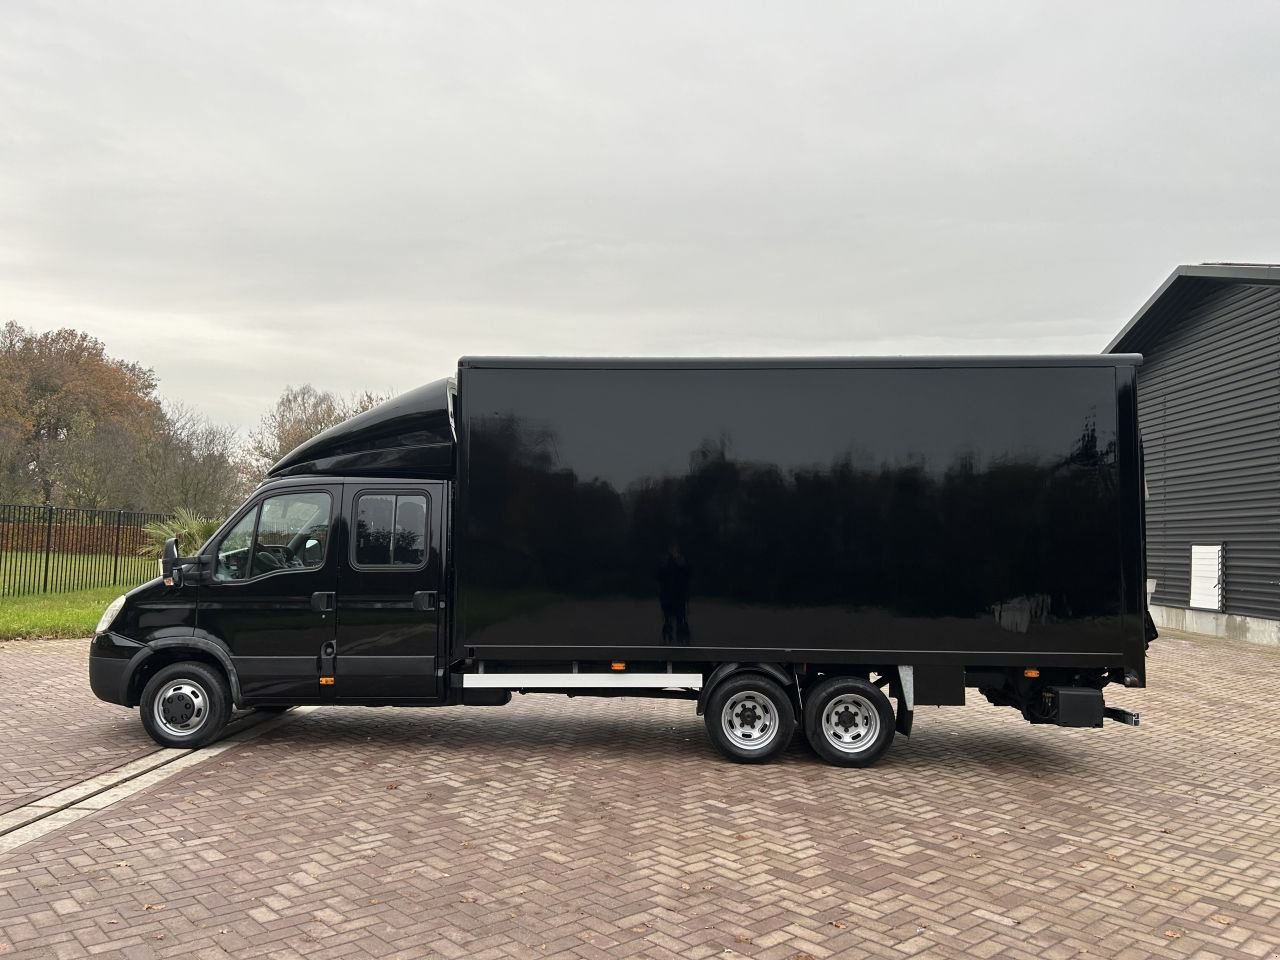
191, 529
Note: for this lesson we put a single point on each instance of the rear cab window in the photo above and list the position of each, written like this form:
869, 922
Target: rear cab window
391, 530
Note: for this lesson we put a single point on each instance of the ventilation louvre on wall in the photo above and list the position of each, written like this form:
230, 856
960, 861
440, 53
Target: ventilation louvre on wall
1206, 576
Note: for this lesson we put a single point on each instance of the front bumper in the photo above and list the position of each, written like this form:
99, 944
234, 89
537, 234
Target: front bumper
110, 662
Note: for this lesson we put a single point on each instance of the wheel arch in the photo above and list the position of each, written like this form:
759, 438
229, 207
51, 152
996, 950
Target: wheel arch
773, 671
161, 653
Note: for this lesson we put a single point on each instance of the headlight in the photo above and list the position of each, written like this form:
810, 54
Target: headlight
109, 614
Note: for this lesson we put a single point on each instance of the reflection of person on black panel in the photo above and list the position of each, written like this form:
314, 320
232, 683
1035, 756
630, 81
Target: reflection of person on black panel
673, 595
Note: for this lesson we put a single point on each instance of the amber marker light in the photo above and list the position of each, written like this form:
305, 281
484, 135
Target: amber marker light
618, 665
1031, 672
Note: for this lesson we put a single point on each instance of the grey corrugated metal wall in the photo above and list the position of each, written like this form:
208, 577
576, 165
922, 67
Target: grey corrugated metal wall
1209, 409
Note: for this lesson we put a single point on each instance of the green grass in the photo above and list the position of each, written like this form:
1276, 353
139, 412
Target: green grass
72, 614
24, 572
74, 571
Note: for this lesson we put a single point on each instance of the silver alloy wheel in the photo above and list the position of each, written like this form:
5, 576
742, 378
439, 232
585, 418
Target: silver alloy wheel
851, 723
750, 720
181, 708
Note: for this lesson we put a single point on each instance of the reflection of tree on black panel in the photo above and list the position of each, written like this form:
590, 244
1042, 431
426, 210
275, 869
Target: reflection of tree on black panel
391, 529
907, 538
673, 596
408, 545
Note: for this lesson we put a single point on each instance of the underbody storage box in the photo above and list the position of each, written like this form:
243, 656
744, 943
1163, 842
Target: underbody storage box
1077, 706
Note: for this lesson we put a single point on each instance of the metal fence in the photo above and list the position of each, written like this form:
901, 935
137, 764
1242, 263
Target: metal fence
49, 549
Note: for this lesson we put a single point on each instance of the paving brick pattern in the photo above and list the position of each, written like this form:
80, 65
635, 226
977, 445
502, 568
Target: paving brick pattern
595, 829
53, 731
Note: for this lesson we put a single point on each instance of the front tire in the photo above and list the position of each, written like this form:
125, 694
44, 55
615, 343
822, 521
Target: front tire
848, 721
185, 705
750, 719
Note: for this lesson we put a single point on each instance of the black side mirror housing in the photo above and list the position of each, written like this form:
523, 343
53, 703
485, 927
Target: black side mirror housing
169, 568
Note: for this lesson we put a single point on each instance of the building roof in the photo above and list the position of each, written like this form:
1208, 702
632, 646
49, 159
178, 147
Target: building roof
798, 363
1186, 282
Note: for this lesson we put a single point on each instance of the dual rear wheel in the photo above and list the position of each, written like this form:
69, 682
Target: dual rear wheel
847, 720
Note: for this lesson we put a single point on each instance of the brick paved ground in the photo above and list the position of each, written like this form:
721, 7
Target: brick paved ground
609, 829
53, 731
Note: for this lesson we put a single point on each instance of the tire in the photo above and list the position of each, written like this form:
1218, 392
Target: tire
848, 721
750, 719
185, 705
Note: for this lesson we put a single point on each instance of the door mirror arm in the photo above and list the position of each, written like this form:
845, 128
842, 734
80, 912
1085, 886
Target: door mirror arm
196, 569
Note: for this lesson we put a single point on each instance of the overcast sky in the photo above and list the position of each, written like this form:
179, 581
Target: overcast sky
244, 195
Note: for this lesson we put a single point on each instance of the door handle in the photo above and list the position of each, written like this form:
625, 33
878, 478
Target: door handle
425, 600
322, 601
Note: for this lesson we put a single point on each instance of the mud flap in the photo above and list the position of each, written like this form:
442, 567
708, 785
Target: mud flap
905, 717
905, 691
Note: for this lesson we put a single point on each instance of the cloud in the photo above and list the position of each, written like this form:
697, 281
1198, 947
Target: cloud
246, 195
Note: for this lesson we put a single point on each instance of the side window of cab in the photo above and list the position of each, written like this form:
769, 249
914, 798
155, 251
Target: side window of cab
288, 531
390, 531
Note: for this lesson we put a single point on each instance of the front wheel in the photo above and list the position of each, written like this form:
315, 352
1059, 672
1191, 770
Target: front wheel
749, 719
185, 705
848, 721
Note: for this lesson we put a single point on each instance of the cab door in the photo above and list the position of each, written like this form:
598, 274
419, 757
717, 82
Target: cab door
270, 596
390, 594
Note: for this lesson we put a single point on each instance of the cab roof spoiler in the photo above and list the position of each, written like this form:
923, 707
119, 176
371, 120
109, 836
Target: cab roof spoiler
411, 435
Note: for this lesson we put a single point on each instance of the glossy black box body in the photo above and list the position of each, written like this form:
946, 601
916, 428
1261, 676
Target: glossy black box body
972, 511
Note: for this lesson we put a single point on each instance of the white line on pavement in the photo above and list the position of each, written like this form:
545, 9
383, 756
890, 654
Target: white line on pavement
43, 816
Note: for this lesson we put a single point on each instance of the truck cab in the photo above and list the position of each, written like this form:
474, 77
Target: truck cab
327, 586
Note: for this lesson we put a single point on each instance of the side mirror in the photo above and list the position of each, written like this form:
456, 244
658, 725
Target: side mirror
169, 568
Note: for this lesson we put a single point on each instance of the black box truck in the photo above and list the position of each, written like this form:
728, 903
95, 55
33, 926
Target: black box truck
823, 544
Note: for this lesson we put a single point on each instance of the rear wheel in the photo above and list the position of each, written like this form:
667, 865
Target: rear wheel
185, 705
848, 721
749, 719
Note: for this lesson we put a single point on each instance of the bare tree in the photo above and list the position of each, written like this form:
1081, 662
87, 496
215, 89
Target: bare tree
100, 465
298, 415
191, 462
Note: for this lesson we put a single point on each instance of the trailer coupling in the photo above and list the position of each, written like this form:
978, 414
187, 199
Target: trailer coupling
1082, 707
1120, 715
1063, 706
